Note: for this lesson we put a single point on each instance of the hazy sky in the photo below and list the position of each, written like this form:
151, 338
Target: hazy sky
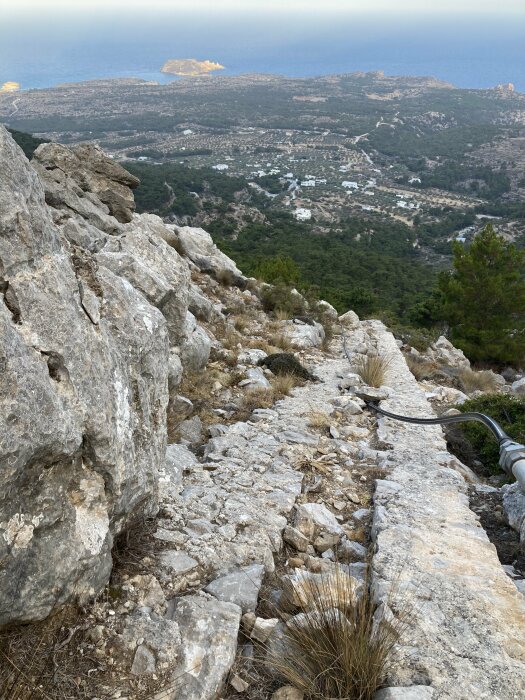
368, 6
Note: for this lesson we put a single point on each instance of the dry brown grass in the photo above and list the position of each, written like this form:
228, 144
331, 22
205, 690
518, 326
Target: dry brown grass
283, 384
281, 315
241, 323
420, 367
373, 369
329, 332
231, 339
225, 277
133, 545
32, 666
281, 341
55, 660
340, 646
319, 419
260, 344
227, 335
231, 359
477, 381
258, 398
197, 386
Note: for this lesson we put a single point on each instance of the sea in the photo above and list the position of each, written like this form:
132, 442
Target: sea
468, 51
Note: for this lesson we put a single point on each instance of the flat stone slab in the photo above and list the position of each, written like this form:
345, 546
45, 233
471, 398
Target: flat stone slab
177, 563
208, 629
240, 587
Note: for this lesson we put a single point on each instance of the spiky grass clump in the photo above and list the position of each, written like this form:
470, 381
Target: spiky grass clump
241, 323
258, 398
281, 341
225, 277
372, 369
319, 419
283, 384
281, 315
341, 646
477, 381
420, 367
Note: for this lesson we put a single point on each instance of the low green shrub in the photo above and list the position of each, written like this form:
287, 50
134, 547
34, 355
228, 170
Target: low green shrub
281, 298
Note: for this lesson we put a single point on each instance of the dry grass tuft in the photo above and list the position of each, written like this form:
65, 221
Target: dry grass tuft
241, 323
284, 383
477, 381
258, 398
420, 367
281, 315
225, 277
319, 419
227, 335
329, 332
31, 662
372, 369
54, 660
281, 341
231, 339
197, 386
133, 545
341, 646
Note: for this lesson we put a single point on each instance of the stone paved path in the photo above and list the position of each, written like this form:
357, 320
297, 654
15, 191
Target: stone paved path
466, 638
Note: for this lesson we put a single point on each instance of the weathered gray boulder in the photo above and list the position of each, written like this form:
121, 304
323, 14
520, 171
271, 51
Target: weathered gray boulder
303, 335
195, 348
199, 305
148, 643
209, 629
197, 245
518, 387
350, 319
255, 379
312, 519
443, 352
83, 397
514, 506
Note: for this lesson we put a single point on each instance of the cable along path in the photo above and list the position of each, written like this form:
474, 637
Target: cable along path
466, 637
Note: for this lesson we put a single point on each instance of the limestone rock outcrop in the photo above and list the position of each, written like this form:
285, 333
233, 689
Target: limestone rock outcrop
443, 352
94, 322
197, 245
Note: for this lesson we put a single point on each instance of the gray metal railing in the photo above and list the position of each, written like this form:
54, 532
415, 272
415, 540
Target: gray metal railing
511, 453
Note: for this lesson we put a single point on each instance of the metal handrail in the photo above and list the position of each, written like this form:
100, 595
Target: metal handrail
511, 453
491, 424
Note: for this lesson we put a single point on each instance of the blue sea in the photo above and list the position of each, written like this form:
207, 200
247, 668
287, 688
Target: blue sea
466, 51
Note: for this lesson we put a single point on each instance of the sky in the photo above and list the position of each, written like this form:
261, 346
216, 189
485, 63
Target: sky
476, 7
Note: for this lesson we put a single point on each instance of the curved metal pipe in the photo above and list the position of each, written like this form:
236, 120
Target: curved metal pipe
491, 424
512, 454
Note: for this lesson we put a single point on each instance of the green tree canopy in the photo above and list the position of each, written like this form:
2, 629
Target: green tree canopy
281, 269
483, 299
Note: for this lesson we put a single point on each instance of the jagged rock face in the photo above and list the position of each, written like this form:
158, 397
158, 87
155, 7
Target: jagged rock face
86, 324
83, 179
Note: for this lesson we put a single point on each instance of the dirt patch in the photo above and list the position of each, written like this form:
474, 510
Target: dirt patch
489, 507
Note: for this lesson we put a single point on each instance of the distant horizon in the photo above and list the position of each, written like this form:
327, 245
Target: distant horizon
166, 79
469, 53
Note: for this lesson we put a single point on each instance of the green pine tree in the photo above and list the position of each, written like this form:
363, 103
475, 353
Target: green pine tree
280, 269
483, 299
